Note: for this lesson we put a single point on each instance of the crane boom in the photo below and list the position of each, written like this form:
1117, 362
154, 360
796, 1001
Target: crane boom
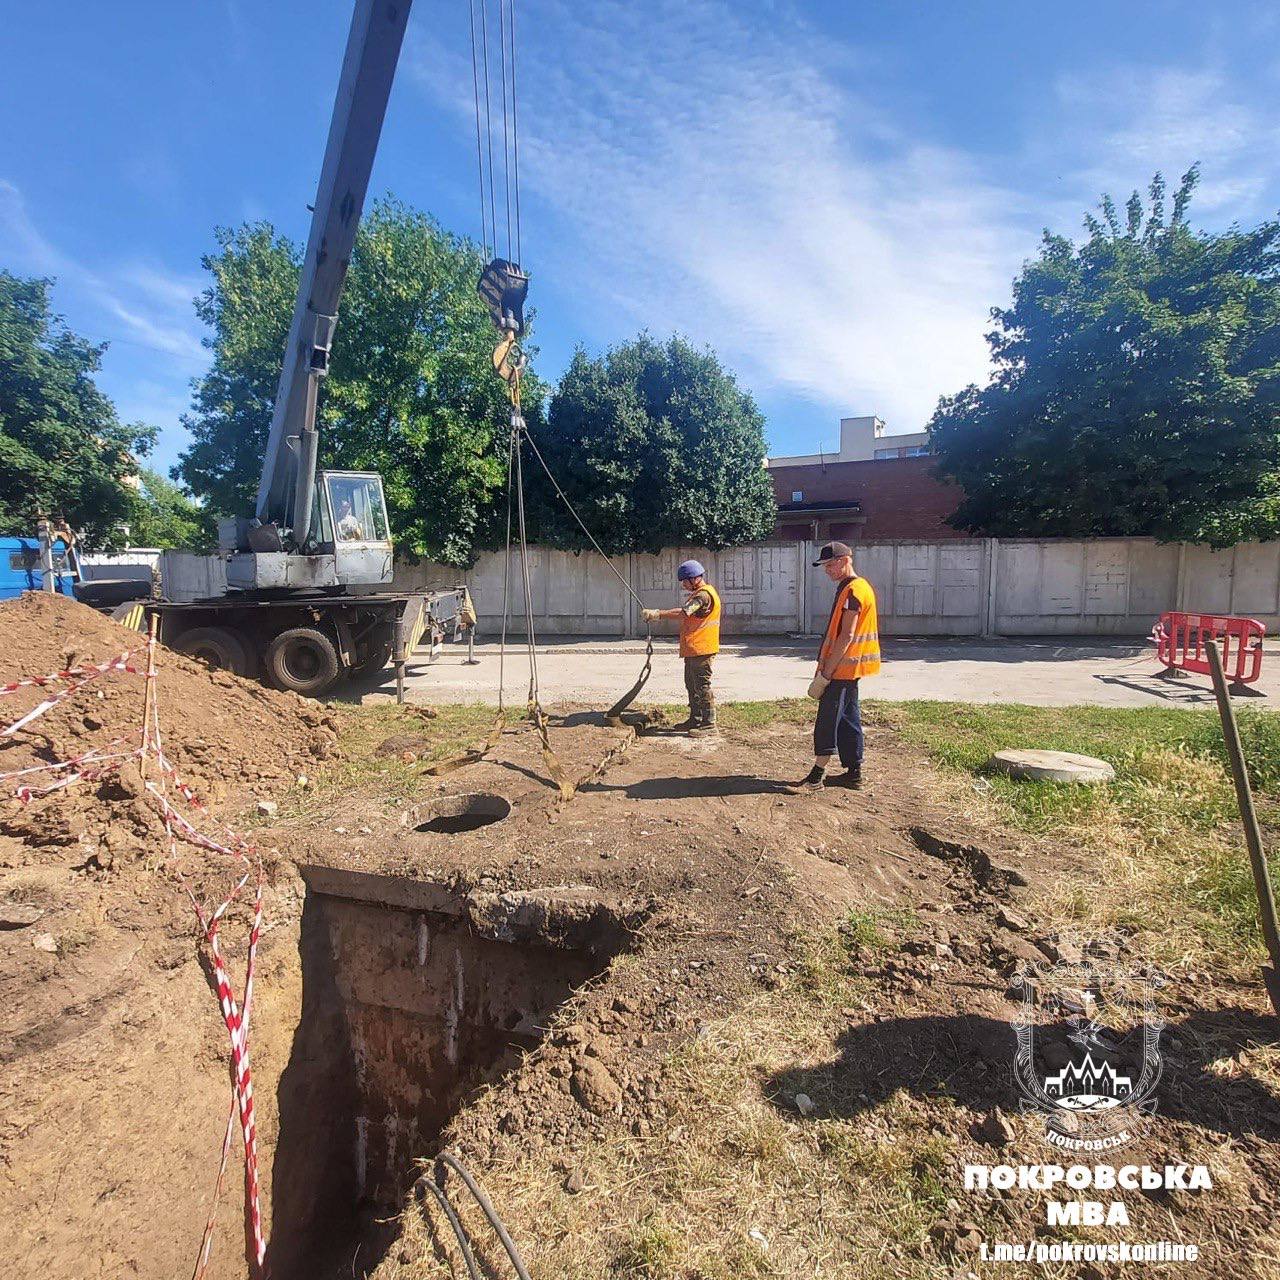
286, 491
305, 603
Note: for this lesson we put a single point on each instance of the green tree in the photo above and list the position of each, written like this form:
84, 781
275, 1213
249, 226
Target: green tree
1136, 387
63, 449
656, 445
164, 516
411, 392
247, 306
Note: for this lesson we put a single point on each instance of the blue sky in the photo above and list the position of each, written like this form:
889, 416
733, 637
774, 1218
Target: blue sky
832, 196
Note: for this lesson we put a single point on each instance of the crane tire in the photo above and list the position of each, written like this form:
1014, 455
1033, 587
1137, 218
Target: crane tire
304, 660
219, 647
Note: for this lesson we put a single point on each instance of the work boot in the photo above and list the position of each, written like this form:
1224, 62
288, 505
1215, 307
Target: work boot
814, 780
851, 778
705, 729
685, 726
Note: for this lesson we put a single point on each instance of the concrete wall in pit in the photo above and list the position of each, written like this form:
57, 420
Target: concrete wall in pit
404, 1013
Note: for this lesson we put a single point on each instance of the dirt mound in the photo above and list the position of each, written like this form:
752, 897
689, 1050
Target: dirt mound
228, 738
102, 990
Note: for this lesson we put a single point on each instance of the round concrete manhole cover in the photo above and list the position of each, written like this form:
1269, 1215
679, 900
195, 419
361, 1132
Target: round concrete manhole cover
1051, 766
451, 815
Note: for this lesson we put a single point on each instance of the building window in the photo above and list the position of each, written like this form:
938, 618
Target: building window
903, 451
797, 495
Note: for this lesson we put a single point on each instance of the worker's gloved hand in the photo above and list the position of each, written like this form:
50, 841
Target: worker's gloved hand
650, 615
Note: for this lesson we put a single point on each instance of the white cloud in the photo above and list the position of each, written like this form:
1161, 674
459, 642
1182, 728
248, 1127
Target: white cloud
705, 167
1134, 120
705, 177
132, 303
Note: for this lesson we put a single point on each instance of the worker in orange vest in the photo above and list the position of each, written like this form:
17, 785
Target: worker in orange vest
850, 650
699, 643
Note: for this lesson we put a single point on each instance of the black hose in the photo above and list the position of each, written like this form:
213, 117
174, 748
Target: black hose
459, 1231
490, 1212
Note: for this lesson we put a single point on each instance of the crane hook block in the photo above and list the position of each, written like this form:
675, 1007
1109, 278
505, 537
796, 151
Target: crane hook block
504, 287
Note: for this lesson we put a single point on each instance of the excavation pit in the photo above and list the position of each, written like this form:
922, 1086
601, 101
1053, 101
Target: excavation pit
452, 815
413, 997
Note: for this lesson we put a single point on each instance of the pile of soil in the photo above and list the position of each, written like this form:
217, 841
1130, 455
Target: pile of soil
228, 738
113, 1075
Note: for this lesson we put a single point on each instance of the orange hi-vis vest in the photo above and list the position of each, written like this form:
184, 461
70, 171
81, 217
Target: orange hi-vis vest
701, 636
862, 657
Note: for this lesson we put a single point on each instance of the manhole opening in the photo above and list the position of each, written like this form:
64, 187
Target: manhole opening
452, 815
406, 1014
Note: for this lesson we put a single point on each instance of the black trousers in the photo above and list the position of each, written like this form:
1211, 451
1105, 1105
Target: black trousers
838, 727
697, 682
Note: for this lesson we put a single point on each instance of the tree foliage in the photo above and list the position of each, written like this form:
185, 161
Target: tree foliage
656, 446
63, 449
411, 392
247, 307
1136, 387
164, 516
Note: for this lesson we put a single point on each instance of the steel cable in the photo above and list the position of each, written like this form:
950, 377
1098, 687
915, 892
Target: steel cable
506, 127
515, 133
475, 89
488, 120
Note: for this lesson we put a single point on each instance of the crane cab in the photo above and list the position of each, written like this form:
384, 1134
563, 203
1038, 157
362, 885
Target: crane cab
349, 544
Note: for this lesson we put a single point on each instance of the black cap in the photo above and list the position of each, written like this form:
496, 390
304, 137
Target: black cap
832, 551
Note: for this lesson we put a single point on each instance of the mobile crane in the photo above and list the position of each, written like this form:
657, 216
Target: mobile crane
307, 572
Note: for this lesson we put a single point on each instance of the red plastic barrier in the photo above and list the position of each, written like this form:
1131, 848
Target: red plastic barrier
1181, 638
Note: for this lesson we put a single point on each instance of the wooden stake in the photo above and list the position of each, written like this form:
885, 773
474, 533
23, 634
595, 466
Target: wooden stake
1248, 816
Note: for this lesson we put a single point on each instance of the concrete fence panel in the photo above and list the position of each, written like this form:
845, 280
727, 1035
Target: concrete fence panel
970, 586
1153, 580
922, 588
134, 565
1255, 580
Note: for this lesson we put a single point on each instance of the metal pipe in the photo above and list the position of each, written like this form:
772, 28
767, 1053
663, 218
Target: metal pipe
45, 536
1249, 818
400, 642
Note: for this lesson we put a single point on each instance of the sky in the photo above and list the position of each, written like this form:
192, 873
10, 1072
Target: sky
831, 196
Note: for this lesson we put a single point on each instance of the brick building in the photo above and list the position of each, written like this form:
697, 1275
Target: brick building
874, 489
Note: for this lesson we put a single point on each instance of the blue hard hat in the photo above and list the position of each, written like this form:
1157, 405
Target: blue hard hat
690, 569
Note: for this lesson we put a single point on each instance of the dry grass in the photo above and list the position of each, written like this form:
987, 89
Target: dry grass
733, 1183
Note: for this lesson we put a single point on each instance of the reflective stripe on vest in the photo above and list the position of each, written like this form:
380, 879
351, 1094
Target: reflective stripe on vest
862, 657
701, 636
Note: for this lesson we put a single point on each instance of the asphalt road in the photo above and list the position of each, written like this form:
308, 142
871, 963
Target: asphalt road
1042, 672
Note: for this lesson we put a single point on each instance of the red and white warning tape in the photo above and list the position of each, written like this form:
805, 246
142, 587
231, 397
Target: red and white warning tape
92, 764
75, 678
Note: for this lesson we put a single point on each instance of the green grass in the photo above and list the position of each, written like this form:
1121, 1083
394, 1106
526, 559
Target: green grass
1168, 827
1167, 831
360, 770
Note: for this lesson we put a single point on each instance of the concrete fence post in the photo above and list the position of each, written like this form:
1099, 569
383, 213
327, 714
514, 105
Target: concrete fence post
630, 622
991, 560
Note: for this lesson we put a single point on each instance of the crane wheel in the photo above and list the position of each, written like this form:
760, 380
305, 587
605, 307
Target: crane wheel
304, 660
218, 647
